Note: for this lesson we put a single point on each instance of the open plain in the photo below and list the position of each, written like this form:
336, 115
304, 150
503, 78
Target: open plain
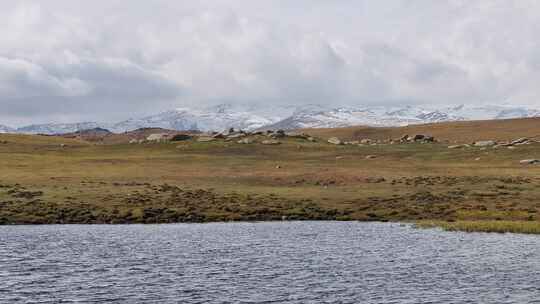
373, 176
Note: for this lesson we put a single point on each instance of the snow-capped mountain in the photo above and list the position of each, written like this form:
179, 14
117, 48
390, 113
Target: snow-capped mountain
311, 117
217, 118
221, 117
6, 129
56, 128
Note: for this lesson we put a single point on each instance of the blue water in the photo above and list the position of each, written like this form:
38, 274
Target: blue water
289, 262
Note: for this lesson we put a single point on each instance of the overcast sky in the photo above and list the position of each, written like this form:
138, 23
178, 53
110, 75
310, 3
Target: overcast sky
70, 60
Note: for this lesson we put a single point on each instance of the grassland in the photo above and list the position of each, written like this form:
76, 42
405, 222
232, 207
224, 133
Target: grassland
57, 180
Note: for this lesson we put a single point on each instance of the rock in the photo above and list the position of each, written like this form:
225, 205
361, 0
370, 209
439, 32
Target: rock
219, 136
278, 134
365, 141
205, 139
429, 138
519, 141
158, 137
62, 145
335, 141
529, 161
371, 156
270, 142
485, 143
456, 147
418, 137
133, 141
404, 138
236, 135
246, 141
311, 139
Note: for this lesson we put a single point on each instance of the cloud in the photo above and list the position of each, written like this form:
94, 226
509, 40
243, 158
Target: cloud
70, 60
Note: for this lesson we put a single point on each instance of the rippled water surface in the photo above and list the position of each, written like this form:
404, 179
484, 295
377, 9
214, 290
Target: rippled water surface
298, 262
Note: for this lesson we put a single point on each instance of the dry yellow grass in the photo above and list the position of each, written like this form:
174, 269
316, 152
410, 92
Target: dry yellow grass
190, 181
522, 227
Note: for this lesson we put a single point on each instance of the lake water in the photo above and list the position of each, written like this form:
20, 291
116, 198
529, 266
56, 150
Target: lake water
289, 262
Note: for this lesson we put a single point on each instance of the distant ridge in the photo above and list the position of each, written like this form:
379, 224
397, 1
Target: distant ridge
251, 117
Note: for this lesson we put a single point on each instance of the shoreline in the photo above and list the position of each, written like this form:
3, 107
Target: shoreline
499, 227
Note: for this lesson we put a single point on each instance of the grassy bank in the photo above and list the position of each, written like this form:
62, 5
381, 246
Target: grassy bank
55, 180
523, 227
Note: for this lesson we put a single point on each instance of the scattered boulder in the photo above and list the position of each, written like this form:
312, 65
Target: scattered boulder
418, 137
236, 135
311, 139
246, 141
371, 156
277, 134
270, 142
530, 161
133, 141
365, 141
335, 141
158, 137
429, 138
485, 143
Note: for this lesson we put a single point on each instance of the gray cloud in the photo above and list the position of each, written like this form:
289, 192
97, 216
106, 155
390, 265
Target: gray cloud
99, 60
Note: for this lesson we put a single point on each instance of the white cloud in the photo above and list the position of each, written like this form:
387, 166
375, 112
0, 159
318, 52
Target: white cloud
71, 59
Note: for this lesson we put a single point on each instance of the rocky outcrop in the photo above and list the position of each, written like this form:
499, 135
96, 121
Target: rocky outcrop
485, 143
270, 142
158, 137
335, 141
246, 141
530, 161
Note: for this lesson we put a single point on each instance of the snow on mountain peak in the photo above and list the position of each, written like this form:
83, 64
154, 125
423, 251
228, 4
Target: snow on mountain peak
250, 117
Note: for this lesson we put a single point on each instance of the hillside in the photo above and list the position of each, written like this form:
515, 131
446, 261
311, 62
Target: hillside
454, 132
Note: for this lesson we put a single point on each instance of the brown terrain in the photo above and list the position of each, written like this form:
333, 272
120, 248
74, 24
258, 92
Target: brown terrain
97, 177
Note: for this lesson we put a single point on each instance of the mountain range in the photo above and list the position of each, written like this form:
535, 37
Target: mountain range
221, 117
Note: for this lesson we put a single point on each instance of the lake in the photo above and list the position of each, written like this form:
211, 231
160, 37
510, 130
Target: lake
281, 262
